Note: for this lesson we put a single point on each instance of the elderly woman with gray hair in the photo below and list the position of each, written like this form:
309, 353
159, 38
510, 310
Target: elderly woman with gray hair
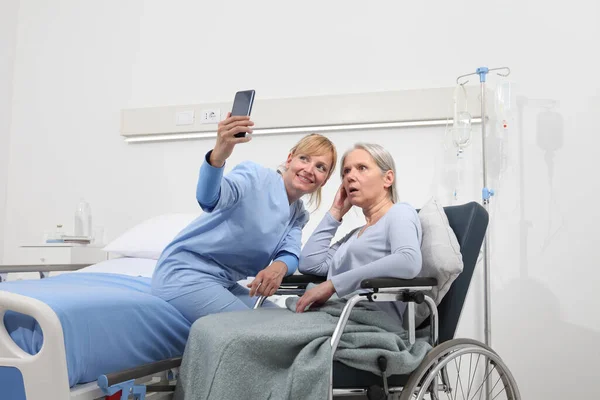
388, 245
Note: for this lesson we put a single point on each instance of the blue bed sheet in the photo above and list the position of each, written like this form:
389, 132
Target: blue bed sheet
110, 322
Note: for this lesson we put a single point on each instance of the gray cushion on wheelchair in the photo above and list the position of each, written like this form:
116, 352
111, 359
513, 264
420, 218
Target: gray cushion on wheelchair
442, 258
469, 222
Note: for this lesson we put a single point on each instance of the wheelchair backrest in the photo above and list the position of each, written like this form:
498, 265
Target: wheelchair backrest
469, 222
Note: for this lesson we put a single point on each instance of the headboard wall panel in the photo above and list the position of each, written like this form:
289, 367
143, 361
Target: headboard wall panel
180, 122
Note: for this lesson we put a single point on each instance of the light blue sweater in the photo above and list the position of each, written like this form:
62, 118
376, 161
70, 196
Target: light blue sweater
391, 248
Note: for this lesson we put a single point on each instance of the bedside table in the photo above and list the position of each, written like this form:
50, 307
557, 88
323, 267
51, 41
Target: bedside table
64, 256
62, 253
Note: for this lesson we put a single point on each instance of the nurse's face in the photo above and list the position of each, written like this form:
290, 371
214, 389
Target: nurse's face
306, 173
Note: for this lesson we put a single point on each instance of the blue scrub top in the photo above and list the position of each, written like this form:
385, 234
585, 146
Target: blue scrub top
248, 222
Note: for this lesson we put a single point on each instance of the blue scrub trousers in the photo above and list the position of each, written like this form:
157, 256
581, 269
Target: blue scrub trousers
212, 298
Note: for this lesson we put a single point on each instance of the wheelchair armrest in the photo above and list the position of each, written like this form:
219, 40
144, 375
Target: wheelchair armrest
302, 280
380, 283
293, 285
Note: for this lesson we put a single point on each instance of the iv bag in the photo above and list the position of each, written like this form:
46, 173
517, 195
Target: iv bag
503, 101
461, 130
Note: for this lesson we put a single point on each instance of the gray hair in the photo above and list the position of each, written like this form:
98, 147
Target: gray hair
383, 159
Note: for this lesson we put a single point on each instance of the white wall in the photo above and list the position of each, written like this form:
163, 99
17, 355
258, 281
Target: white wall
8, 40
80, 63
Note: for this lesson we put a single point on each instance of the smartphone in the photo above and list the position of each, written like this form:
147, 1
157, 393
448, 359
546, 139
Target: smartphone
242, 105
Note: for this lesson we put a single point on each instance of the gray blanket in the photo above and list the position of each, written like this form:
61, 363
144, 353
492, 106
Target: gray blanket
278, 354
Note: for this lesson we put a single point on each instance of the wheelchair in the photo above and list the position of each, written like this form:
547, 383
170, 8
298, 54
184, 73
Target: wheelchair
454, 368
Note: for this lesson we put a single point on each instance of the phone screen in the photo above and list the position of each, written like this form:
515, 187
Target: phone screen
242, 103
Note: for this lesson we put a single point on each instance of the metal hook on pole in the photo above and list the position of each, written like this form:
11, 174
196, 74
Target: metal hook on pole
482, 71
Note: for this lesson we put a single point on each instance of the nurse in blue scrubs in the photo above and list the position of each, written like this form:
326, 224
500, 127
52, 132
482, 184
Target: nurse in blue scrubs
251, 225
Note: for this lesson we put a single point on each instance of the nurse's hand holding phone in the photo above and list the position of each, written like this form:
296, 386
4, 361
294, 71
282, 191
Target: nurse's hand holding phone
236, 128
226, 139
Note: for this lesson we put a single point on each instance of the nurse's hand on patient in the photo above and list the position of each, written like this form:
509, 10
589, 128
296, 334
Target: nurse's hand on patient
317, 295
268, 280
341, 205
226, 140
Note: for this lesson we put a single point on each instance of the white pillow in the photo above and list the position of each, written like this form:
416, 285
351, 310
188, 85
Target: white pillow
441, 254
124, 266
149, 238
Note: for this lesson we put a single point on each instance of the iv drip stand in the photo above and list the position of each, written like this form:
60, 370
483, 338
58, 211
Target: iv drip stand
486, 194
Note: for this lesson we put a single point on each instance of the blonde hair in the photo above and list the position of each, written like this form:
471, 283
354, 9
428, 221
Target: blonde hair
382, 158
315, 144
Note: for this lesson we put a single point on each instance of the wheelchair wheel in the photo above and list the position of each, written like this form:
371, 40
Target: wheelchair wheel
461, 369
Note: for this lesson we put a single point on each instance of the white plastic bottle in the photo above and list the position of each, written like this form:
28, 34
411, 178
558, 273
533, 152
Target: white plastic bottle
83, 219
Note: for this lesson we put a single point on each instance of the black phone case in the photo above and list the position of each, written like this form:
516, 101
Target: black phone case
243, 134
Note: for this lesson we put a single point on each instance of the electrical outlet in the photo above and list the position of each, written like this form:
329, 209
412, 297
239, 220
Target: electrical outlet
211, 116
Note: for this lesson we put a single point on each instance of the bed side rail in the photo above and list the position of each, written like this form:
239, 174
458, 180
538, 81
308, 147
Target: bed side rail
124, 381
138, 372
45, 375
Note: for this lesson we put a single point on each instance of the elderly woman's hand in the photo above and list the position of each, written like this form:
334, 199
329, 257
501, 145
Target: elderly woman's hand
341, 205
268, 280
317, 295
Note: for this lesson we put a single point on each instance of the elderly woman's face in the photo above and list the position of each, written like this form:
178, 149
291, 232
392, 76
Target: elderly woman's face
363, 180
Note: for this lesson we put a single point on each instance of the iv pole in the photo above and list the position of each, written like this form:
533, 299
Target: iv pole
486, 194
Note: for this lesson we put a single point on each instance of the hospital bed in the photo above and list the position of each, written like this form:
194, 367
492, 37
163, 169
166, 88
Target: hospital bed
65, 346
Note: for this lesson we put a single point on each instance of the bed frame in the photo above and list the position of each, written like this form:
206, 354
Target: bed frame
44, 376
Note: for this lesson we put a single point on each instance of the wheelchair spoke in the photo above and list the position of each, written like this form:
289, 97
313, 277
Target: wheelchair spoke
460, 383
456, 385
474, 374
482, 383
495, 384
480, 393
485, 378
472, 386
500, 392
470, 381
